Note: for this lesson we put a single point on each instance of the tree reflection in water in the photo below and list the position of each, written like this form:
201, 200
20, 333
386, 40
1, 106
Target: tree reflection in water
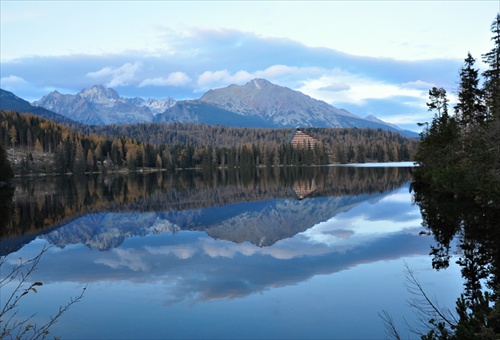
43, 204
475, 229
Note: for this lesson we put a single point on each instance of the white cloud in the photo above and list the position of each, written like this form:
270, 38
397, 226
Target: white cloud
335, 87
418, 84
283, 249
11, 80
173, 79
209, 78
219, 249
350, 232
277, 71
208, 59
353, 88
406, 119
104, 72
127, 258
281, 74
182, 252
19, 85
178, 79
120, 76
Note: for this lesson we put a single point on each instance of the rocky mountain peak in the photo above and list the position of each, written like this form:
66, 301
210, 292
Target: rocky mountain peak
99, 94
49, 100
276, 104
372, 118
258, 103
102, 105
159, 105
259, 84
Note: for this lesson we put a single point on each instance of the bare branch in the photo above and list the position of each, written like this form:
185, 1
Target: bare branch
10, 327
390, 327
428, 312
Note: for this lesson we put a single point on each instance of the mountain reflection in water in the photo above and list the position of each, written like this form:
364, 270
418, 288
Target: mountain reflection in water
183, 255
213, 202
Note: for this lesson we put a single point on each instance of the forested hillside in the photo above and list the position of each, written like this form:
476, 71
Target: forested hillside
344, 145
39, 145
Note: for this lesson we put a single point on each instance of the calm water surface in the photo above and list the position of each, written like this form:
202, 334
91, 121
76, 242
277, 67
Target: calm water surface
297, 253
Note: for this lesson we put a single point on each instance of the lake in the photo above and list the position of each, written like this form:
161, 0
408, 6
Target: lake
290, 253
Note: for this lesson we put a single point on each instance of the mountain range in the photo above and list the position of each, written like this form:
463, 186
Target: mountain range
9, 101
262, 223
257, 104
102, 106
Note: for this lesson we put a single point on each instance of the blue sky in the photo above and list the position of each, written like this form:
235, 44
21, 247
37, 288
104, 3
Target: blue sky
369, 57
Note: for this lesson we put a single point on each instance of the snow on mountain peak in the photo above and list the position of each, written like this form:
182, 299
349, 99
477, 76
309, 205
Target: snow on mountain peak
98, 94
159, 105
259, 84
101, 105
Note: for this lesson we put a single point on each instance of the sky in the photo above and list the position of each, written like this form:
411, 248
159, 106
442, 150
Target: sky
369, 57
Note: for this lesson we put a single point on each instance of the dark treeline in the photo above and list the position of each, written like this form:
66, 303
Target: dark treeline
457, 187
365, 145
38, 205
460, 154
6, 172
48, 147
342, 145
192, 134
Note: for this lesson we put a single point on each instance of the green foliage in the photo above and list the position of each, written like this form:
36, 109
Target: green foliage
492, 74
461, 154
457, 186
476, 225
438, 154
470, 109
56, 148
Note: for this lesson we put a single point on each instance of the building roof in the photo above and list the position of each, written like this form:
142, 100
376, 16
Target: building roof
298, 138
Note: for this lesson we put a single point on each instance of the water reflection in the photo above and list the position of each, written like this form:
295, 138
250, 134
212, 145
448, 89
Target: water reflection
193, 246
189, 200
139, 219
472, 227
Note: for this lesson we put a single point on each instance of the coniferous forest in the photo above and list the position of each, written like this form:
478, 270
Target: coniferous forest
460, 153
6, 172
457, 187
456, 180
38, 145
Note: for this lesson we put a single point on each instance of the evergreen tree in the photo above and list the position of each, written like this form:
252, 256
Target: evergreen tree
6, 173
438, 102
437, 154
490, 136
492, 74
470, 108
80, 162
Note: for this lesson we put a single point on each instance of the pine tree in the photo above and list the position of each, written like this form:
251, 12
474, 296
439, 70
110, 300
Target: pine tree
80, 160
438, 102
491, 135
492, 74
470, 108
6, 173
439, 139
